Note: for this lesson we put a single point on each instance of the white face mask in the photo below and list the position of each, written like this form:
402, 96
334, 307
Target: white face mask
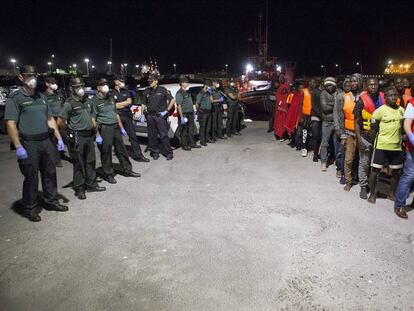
217, 86
80, 92
232, 84
31, 82
122, 85
54, 87
105, 89
186, 88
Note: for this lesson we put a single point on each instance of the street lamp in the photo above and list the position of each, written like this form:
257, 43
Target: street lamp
339, 68
87, 66
175, 69
249, 68
137, 67
324, 70
227, 66
110, 66
13, 61
126, 69
93, 66
389, 62
360, 67
50, 66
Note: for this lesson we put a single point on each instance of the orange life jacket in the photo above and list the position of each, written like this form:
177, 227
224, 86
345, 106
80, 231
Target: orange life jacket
406, 96
349, 105
307, 102
369, 108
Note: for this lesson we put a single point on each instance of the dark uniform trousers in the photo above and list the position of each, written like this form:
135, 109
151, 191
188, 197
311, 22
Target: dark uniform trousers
217, 121
316, 136
187, 131
58, 154
128, 124
41, 158
232, 118
84, 161
204, 118
157, 125
271, 110
112, 136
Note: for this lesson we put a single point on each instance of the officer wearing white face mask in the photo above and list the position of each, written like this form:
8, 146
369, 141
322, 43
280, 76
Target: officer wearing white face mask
30, 126
109, 133
55, 102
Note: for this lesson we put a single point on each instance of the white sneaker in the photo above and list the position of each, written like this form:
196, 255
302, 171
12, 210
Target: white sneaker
323, 167
304, 152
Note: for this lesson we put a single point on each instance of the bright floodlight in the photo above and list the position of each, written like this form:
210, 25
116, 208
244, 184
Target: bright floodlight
74, 65
49, 63
390, 62
249, 68
93, 66
322, 66
13, 60
109, 63
125, 64
86, 60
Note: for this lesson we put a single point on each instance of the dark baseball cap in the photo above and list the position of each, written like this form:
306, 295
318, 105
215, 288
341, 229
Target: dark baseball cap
153, 77
28, 70
76, 81
50, 80
102, 82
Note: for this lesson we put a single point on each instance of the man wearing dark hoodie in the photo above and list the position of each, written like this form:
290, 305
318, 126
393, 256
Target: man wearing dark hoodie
316, 118
328, 98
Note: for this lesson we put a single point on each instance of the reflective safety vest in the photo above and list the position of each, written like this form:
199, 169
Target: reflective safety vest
289, 98
369, 108
307, 102
349, 105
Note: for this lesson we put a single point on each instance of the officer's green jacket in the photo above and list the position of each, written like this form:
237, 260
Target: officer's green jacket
30, 112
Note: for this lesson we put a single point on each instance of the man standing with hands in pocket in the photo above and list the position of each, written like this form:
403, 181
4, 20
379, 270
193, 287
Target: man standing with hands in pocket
109, 133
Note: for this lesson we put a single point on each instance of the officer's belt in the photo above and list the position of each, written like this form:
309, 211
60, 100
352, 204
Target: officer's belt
35, 137
115, 125
85, 133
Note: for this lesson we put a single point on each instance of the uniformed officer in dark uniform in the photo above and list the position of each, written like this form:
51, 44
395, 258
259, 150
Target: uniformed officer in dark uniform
30, 125
203, 104
217, 112
232, 99
156, 102
55, 101
185, 109
76, 120
109, 132
123, 103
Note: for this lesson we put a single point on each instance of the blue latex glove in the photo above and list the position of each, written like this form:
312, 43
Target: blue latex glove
411, 138
221, 99
164, 113
142, 118
182, 120
123, 132
99, 139
21, 153
60, 145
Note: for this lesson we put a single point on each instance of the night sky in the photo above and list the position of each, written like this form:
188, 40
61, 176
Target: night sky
205, 35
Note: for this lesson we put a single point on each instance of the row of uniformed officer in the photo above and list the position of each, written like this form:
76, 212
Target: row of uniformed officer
31, 128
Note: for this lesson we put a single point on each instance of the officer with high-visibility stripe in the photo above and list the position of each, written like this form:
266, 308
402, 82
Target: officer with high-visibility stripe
364, 108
